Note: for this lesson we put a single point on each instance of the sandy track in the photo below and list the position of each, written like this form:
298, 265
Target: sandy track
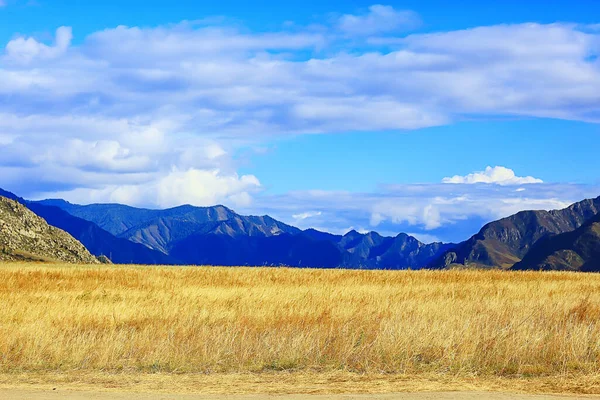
20, 394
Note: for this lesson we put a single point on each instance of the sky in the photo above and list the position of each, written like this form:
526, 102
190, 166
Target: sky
425, 117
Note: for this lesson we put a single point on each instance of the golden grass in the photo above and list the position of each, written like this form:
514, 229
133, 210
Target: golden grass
528, 330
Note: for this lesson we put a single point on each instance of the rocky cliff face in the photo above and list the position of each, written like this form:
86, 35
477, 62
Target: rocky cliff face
26, 237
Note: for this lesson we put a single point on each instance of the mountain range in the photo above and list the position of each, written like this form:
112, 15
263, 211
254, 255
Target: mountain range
219, 236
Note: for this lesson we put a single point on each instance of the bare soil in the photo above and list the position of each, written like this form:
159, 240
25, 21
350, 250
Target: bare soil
22, 394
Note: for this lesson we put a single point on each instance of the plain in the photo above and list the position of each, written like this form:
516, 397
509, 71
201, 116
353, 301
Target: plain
280, 330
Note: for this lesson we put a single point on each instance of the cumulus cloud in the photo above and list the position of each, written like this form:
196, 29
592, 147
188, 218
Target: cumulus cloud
379, 19
25, 50
193, 186
493, 175
205, 188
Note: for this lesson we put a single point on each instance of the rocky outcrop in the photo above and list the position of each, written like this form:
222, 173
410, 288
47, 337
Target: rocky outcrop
24, 236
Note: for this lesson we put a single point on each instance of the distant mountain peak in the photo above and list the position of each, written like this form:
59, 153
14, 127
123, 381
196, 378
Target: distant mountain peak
353, 233
57, 202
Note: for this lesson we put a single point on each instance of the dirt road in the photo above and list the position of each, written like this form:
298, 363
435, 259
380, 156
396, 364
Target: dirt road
19, 394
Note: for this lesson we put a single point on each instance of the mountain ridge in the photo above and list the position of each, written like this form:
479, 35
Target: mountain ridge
578, 250
505, 242
181, 232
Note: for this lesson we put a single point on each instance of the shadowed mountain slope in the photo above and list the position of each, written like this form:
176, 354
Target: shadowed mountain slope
307, 249
372, 250
217, 235
284, 249
505, 242
163, 233
118, 219
578, 250
98, 241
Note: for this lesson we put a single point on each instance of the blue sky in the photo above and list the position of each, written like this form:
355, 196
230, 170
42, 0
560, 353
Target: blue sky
38, 16
417, 116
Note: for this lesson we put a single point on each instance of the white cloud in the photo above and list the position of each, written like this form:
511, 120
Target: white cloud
436, 211
424, 237
25, 50
190, 43
379, 19
206, 188
342, 114
493, 175
127, 105
193, 186
306, 215
103, 154
431, 213
446, 212
554, 41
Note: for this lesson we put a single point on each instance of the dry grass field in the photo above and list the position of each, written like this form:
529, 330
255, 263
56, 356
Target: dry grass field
277, 330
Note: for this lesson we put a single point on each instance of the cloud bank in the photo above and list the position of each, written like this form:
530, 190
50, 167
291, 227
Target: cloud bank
153, 116
446, 212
